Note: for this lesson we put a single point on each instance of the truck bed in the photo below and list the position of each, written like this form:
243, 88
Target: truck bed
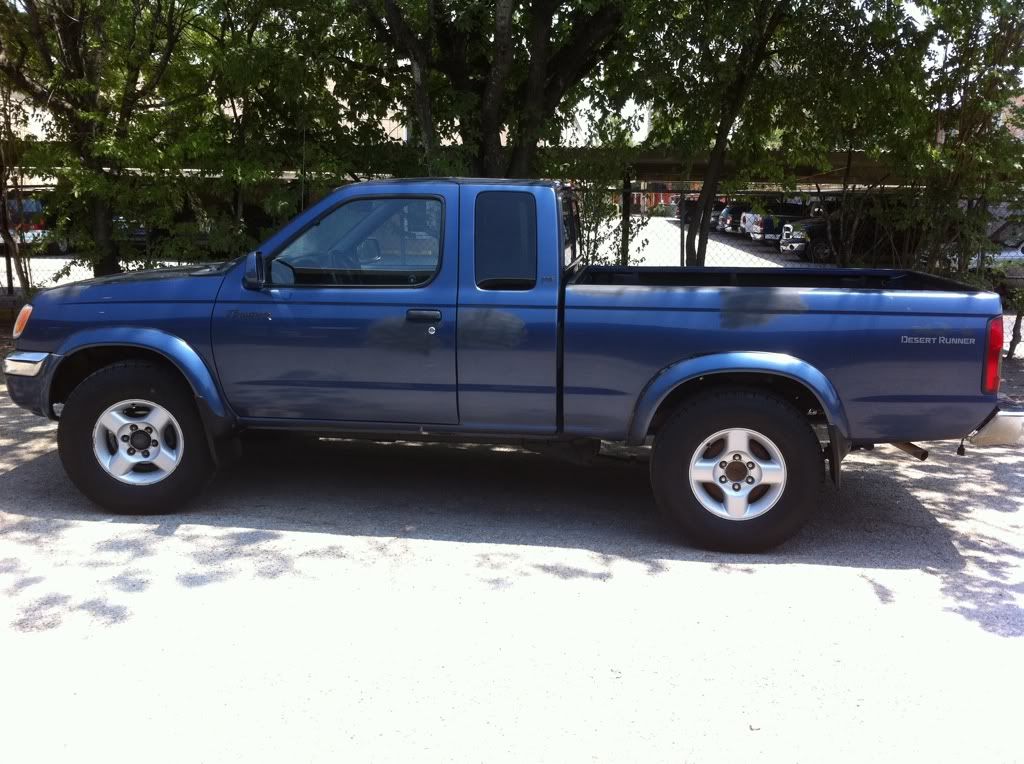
809, 278
903, 350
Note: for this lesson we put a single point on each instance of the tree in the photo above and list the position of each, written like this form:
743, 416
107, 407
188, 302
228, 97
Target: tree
478, 71
98, 69
714, 57
12, 119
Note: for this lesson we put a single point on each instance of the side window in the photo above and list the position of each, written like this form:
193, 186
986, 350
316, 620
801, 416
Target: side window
394, 242
505, 243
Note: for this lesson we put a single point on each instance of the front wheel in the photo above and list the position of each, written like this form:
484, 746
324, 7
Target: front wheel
131, 440
737, 470
820, 252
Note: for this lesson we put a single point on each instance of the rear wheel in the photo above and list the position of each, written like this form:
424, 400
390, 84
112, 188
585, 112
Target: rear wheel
737, 470
131, 440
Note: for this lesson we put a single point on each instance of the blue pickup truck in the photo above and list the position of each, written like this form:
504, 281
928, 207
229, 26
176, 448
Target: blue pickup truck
460, 309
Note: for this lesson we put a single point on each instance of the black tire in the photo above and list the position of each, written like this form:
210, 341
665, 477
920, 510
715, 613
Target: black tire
107, 387
706, 414
819, 251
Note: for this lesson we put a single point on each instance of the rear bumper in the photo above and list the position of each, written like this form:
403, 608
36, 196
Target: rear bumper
28, 379
1004, 428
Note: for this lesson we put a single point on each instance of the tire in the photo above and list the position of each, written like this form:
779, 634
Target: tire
819, 251
181, 451
778, 503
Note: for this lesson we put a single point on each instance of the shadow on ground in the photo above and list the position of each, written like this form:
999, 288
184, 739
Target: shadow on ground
373, 500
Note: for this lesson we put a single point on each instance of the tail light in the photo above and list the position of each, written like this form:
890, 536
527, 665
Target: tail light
993, 356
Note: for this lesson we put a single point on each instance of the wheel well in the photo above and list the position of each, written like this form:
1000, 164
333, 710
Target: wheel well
788, 389
76, 367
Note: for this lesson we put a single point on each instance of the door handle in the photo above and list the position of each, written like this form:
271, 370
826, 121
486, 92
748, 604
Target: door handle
420, 316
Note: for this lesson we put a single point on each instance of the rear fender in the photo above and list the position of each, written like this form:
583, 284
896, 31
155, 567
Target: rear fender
781, 364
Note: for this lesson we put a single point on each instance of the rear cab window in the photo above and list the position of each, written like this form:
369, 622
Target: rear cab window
505, 240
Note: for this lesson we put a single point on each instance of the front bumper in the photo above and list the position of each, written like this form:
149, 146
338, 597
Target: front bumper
793, 246
1004, 428
28, 379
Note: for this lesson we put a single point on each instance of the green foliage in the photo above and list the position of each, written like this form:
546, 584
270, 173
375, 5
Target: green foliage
191, 128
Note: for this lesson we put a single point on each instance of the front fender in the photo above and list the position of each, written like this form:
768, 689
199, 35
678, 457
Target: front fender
780, 364
171, 347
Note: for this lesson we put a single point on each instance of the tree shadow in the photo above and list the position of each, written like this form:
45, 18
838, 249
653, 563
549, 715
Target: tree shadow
266, 519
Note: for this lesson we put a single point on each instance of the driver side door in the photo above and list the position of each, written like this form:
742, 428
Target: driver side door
357, 323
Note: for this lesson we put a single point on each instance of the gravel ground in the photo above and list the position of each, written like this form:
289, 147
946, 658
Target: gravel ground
331, 600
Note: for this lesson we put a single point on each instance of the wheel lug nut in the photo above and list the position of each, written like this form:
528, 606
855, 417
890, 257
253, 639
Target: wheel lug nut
153, 444
750, 480
145, 454
723, 465
736, 457
149, 429
131, 452
723, 479
133, 427
124, 438
750, 465
735, 486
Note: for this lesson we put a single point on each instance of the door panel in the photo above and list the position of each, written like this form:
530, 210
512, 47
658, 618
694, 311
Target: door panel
508, 326
342, 343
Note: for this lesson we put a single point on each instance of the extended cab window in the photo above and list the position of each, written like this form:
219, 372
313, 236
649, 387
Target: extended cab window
505, 243
393, 242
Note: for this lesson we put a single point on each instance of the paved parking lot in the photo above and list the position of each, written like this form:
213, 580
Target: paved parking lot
339, 601
656, 243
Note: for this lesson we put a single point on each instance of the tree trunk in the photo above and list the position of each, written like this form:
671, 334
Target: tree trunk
11, 250
102, 229
627, 212
752, 56
696, 252
1015, 336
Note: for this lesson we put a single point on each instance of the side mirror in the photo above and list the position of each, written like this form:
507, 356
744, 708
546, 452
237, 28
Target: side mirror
255, 277
368, 252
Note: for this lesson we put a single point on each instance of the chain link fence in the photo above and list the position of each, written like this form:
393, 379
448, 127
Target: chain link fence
44, 272
744, 234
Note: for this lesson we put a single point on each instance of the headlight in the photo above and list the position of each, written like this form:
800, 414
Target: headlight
799, 234
21, 321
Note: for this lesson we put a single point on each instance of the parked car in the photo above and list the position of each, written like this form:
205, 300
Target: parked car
1009, 259
716, 213
448, 310
729, 219
809, 238
746, 220
30, 227
766, 227
1010, 240
688, 212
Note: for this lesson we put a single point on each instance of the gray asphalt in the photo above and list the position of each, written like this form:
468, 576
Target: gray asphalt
333, 600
